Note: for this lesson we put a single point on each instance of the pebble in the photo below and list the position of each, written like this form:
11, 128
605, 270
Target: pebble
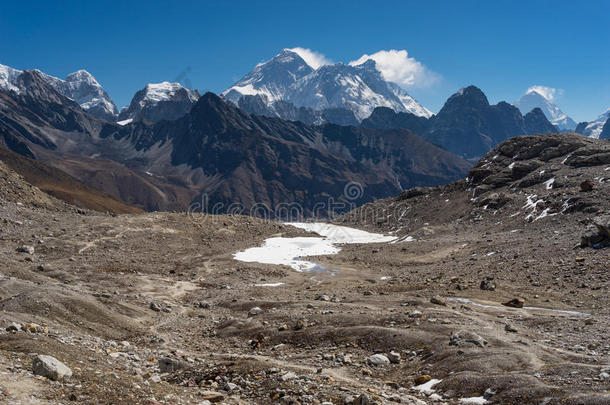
26, 249
254, 312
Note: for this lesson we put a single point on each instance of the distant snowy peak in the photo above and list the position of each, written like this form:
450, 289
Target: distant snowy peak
8, 77
165, 91
594, 128
272, 80
159, 101
288, 77
535, 99
79, 86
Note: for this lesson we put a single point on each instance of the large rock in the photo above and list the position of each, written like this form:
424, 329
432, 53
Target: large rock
378, 360
50, 367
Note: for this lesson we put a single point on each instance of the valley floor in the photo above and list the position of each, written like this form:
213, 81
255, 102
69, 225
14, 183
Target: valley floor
153, 308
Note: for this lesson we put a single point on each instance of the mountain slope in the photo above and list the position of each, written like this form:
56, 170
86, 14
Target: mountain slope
62, 186
79, 86
159, 101
287, 77
534, 99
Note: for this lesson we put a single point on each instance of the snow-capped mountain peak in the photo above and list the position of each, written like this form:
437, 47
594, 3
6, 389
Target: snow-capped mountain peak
536, 98
8, 76
159, 101
594, 128
288, 77
155, 92
79, 86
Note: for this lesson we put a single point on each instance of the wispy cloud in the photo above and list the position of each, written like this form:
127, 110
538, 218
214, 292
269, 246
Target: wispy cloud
312, 58
549, 93
396, 66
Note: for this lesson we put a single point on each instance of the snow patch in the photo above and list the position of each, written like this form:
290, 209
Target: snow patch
289, 251
473, 400
427, 387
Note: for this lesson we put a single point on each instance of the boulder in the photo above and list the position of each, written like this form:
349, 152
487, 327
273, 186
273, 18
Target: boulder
51, 368
378, 360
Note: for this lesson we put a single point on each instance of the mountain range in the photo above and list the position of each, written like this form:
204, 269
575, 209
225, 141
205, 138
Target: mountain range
288, 78
217, 151
467, 125
171, 148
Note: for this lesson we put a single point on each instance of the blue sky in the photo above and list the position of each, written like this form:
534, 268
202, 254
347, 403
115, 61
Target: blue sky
503, 47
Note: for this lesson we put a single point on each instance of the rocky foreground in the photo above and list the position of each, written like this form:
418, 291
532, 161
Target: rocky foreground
152, 308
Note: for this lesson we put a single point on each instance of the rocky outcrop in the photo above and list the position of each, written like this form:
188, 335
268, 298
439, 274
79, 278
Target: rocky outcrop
597, 234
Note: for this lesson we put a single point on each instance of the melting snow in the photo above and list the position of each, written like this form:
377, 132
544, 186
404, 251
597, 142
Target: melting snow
549, 183
473, 400
288, 251
125, 122
427, 387
268, 285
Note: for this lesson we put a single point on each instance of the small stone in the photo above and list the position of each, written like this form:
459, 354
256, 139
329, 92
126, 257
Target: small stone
515, 303
415, 314
422, 379
586, 186
254, 312
32, 328
487, 285
438, 300
464, 336
378, 360
301, 324
169, 365
13, 327
26, 249
204, 305
579, 259
510, 328
588, 321
288, 376
394, 357
230, 387
322, 298
362, 400
212, 396
50, 367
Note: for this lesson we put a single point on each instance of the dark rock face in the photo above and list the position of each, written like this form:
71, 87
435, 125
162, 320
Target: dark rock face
386, 118
537, 123
467, 125
580, 128
161, 101
605, 130
291, 162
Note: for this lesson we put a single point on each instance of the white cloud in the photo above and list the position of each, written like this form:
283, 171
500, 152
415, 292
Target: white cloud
396, 66
547, 92
312, 58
